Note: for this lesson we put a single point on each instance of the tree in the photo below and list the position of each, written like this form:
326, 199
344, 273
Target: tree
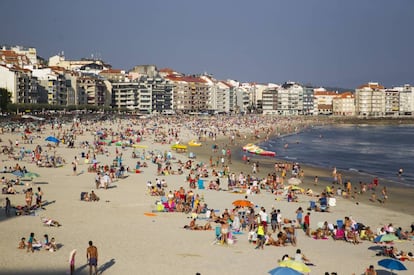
5, 99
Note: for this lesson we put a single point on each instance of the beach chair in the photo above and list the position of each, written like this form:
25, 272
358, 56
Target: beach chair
217, 238
339, 235
340, 223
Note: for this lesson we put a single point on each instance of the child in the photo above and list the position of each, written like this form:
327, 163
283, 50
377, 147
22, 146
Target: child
22, 243
30, 242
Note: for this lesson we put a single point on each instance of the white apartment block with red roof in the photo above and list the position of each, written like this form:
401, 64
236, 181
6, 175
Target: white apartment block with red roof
370, 100
344, 104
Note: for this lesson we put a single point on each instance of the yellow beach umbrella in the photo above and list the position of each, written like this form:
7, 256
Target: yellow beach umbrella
139, 146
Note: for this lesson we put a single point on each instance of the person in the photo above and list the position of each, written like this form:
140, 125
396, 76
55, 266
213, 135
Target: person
273, 220
93, 196
384, 194
72, 261
370, 271
74, 166
299, 214
22, 243
39, 195
28, 197
260, 236
30, 242
7, 206
46, 242
92, 258
306, 224
300, 257
224, 232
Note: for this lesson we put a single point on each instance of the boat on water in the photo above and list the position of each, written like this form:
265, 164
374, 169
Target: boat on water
254, 149
194, 143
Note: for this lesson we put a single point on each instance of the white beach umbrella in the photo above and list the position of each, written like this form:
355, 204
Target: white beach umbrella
294, 181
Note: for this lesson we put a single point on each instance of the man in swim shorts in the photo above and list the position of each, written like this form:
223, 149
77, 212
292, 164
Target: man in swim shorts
92, 257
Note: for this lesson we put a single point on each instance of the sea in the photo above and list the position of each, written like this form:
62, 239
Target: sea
374, 150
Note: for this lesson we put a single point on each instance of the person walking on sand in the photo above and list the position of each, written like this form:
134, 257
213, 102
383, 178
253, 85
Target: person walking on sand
92, 258
384, 194
72, 261
7, 206
75, 166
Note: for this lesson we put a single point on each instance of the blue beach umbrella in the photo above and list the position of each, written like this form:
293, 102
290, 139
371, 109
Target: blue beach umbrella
52, 139
392, 264
18, 173
284, 271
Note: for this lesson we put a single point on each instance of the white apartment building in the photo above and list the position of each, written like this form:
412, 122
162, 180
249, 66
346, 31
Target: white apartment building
323, 101
392, 102
270, 101
344, 104
370, 100
406, 100
89, 65
285, 100
20, 83
54, 85
27, 53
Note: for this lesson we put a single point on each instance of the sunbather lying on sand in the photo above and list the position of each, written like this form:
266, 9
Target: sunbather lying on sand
194, 226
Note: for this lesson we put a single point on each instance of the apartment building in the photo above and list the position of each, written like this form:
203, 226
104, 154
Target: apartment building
190, 93
323, 101
29, 54
20, 83
270, 101
406, 100
370, 100
98, 92
392, 102
344, 104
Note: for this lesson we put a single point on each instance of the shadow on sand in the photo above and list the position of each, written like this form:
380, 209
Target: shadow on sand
106, 265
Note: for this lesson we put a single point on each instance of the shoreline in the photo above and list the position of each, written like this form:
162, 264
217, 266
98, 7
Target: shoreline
398, 196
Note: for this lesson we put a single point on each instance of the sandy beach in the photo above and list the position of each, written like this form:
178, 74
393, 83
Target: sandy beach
130, 242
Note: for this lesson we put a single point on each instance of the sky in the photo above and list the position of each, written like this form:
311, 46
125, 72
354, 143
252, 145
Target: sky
331, 43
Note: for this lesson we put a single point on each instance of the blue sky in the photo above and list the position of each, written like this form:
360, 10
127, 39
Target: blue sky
321, 42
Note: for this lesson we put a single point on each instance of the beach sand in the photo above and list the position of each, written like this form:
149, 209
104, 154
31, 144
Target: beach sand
130, 242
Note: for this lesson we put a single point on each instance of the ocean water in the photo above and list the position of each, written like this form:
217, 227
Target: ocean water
369, 149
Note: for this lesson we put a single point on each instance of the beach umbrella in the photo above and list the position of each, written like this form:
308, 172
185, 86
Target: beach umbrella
385, 238
392, 264
296, 265
283, 271
31, 175
139, 146
18, 173
293, 188
294, 181
52, 139
243, 203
